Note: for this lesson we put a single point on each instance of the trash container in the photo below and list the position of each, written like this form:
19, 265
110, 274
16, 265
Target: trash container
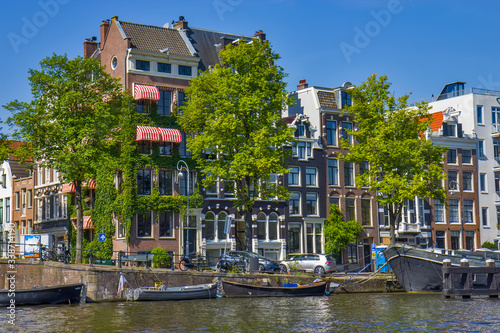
253, 265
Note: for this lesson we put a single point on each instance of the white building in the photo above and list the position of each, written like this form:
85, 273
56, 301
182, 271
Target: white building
475, 112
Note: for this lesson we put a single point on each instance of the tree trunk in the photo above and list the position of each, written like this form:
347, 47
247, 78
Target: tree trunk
79, 222
248, 230
392, 222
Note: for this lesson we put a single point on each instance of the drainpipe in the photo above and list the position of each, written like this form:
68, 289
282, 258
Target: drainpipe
127, 54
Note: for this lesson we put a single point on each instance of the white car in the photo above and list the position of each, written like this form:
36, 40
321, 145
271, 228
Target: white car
309, 262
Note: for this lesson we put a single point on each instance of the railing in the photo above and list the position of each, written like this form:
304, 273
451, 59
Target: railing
405, 227
479, 91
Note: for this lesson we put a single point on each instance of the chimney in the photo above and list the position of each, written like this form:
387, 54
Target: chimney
302, 85
89, 47
226, 41
181, 24
260, 35
104, 32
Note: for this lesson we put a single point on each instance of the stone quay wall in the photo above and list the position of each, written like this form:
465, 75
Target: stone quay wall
102, 281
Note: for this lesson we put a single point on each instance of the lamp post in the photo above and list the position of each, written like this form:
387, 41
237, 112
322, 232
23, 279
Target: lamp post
181, 175
454, 186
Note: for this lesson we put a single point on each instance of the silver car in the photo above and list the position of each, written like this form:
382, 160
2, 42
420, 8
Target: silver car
309, 262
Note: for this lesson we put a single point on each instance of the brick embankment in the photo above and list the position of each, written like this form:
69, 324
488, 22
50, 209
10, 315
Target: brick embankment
102, 281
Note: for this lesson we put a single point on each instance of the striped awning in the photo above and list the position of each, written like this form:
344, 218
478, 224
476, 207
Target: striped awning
70, 187
146, 92
87, 223
158, 134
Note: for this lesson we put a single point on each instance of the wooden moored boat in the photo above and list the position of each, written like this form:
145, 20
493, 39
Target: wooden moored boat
162, 293
235, 289
69, 294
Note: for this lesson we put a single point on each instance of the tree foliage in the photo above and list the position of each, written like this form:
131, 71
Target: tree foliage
234, 111
71, 122
390, 136
339, 233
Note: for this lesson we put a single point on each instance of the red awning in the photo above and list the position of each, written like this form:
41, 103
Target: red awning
87, 223
146, 92
70, 188
170, 135
158, 134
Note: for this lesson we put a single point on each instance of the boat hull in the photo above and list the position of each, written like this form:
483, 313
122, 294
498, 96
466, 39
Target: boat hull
68, 294
419, 270
234, 289
202, 291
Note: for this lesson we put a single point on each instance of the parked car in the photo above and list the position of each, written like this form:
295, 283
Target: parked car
239, 259
309, 262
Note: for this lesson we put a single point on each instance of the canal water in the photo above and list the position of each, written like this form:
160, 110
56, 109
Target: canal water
390, 312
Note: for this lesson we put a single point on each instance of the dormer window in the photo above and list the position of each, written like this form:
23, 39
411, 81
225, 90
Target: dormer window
142, 65
300, 130
452, 130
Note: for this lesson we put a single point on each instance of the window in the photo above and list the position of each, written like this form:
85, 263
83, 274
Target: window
482, 182
454, 217
495, 117
498, 215
346, 127
299, 150
467, 180
144, 177
165, 184
4, 180
183, 184
209, 226
293, 176
144, 147
311, 176
364, 167
333, 172
294, 203
479, 114
273, 226
468, 211
300, 130
484, 216
438, 211
455, 239
497, 183
452, 156
47, 175
469, 240
348, 174
185, 70
331, 133
165, 149
496, 150
466, 156
366, 219
164, 68
7, 210
30, 198
18, 201
449, 130
183, 151
440, 239
312, 203
334, 201
261, 226
120, 229
229, 187
165, 103
143, 106
55, 200
345, 98
480, 148
221, 223
350, 209
452, 179
313, 233
142, 65
144, 224
1, 211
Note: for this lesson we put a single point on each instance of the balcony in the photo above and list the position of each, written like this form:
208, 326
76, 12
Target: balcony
409, 228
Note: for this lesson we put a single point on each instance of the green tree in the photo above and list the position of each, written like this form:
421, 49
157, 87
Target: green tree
71, 122
339, 233
390, 136
234, 113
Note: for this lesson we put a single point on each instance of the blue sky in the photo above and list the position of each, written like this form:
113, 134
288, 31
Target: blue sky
419, 44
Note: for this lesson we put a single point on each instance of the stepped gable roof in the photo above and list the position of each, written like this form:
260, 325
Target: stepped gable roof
152, 38
209, 43
327, 99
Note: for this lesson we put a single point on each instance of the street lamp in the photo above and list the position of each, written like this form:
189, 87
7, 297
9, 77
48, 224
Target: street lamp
181, 175
454, 186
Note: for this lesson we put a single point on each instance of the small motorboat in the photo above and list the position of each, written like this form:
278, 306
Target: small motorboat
63, 294
235, 289
162, 293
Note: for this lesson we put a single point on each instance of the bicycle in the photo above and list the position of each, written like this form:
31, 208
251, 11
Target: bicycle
185, 264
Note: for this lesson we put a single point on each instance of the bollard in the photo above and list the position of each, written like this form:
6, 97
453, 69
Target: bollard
172, 265
64, 254
40, 253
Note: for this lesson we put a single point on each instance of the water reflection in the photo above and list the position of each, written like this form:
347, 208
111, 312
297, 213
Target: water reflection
337, 313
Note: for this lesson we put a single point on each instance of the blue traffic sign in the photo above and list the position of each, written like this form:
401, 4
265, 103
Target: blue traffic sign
102, 237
